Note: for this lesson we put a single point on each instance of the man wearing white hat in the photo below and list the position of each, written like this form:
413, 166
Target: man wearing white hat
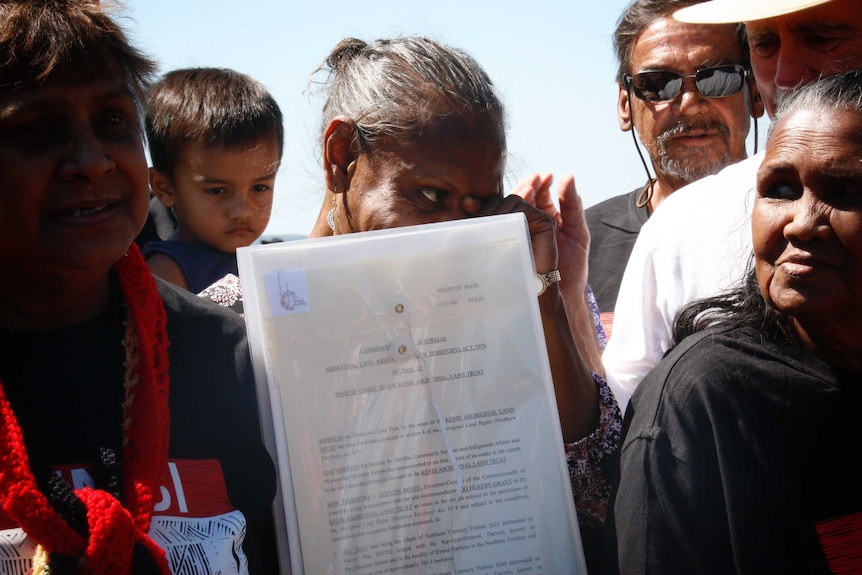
699, 242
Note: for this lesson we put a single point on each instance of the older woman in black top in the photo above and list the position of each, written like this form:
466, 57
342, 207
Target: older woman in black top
738, 455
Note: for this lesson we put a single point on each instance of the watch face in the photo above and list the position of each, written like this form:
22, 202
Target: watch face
540, 284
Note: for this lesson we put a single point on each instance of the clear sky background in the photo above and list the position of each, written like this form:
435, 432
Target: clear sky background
551, 60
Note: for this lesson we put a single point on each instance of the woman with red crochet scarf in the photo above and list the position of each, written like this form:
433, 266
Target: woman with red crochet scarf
124, 448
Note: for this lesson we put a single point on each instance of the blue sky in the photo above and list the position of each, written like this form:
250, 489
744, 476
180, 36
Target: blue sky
551, 60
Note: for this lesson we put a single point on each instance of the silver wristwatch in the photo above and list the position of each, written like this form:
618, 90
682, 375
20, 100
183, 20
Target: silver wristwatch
544, 280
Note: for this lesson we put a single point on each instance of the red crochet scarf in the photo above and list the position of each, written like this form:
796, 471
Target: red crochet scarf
115, 527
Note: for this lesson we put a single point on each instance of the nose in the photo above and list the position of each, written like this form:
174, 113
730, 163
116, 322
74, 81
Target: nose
808, 220
690, 100
471, 205
86, 158
242, 206
792, 69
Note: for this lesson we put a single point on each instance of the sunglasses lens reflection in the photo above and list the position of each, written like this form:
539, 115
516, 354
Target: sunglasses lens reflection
718, 82
657, 86
663, 85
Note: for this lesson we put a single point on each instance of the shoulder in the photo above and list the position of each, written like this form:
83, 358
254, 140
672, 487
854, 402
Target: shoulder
729, 369
208, 350
704, 368
616, 216
167, 267
703, 215
612, 206
729, 187
190, 316
177, 248
226, 292
613, 203
673, 374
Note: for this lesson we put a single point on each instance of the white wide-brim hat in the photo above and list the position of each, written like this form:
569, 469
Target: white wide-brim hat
729, 11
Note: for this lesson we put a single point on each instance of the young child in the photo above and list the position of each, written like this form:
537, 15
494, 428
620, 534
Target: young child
216, 139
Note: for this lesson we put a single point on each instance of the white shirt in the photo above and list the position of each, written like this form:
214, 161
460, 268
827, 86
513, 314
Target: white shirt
695, 245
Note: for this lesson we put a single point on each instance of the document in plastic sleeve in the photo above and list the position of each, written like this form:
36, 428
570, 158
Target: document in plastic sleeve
407, 397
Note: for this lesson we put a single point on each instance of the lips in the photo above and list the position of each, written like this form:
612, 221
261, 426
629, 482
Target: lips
695, 134
85, 212
800, 266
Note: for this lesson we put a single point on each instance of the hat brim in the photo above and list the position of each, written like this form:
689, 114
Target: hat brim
730, 11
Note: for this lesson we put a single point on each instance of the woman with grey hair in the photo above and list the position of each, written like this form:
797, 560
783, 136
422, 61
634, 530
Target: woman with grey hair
413, 132
737, 453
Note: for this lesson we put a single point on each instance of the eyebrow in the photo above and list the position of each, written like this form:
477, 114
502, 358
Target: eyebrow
709, 63
814, 28
37, 96
205, 179
822, 28
849, 169
43, 99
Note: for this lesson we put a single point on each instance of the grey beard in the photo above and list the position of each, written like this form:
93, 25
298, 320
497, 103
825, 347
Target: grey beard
685, 169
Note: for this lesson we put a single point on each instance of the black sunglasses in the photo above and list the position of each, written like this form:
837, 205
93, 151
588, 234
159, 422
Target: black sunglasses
664, 85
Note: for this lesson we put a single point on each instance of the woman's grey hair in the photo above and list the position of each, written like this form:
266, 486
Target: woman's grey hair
839, 91
391, 88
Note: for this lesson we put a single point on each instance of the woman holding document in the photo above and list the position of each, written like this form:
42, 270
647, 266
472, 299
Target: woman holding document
413, 132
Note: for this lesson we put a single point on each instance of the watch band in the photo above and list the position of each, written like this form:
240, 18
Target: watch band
547, 279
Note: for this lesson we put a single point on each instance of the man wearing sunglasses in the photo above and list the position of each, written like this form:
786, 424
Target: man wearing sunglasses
699, 243
685, 90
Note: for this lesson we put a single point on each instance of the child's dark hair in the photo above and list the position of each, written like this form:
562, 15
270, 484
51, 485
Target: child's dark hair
213, 106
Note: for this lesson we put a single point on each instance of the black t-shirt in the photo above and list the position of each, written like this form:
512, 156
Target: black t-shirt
736, 450
614, 226
220, 480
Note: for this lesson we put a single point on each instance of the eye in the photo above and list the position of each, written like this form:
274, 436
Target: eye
261, 188
38, 133
217, 191
434, 196
779, 190
764, 45
116, 123
822, 43
847, 197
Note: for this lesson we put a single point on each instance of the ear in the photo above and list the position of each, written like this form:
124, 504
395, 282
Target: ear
624, 111
163, 187
755, 102
339, 153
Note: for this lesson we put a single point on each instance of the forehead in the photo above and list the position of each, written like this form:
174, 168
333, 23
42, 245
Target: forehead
466, 148
105, 75
832, 12
680, 46
259, 154
829, 138
837, 16
62, 93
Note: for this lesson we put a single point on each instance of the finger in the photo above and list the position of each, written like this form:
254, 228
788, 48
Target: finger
527, 185
544, 198
534, 187
538, 220
541, 226
571, 204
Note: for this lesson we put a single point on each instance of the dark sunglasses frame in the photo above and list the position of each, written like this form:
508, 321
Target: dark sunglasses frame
639, 82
